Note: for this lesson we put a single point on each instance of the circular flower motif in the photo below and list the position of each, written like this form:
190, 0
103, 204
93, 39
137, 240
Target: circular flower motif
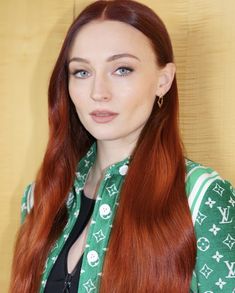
203, 244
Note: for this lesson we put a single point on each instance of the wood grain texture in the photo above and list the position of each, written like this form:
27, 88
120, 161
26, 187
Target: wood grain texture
31, 33
203, 35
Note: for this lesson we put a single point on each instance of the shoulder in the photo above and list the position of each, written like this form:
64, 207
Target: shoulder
203, 184
207, 192
212, 204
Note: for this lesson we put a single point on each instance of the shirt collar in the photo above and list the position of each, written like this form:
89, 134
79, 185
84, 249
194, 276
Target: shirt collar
118, 168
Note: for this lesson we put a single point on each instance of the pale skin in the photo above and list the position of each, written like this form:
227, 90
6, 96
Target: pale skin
103, 82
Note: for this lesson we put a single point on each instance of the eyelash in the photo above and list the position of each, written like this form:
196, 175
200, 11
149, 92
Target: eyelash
122, 67
126, 68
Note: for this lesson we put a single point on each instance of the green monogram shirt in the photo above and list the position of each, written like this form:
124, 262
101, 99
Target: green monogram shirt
212, 203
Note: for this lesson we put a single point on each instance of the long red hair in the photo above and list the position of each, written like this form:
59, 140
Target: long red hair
152, 246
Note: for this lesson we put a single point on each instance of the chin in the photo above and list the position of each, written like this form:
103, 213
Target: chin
105, 136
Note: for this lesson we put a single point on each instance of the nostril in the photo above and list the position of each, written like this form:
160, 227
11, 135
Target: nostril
100, 97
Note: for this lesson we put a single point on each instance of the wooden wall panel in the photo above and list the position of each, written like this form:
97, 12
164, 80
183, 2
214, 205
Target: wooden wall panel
203, 35
31, 33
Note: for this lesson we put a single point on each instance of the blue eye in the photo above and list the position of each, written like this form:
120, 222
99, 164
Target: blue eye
80, 74
124, 71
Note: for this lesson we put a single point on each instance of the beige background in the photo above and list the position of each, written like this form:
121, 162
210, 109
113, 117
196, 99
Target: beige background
31, 33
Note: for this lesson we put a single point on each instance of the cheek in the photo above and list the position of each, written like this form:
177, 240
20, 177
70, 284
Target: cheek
141, 98
76, 89
147, 95
141, 89
72, 92
76, 94
71, 87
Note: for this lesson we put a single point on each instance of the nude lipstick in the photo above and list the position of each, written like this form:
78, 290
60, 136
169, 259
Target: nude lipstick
103, 116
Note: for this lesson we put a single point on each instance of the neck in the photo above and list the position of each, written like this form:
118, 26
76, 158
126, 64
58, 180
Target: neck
109, 152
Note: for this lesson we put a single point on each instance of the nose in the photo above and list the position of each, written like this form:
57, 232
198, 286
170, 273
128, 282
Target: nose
100, 89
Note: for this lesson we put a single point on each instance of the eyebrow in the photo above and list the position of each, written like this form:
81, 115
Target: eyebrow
111, 58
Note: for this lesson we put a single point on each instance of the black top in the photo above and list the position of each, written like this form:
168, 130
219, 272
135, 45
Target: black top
59, 279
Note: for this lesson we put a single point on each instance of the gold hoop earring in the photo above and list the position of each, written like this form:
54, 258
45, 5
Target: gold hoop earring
160, 101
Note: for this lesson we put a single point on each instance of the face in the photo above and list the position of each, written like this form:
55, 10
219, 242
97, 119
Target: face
113, 79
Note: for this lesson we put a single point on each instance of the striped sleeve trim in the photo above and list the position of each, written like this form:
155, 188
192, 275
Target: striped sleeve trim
198, 199
194, 169
198, 181
193, 285
30, 198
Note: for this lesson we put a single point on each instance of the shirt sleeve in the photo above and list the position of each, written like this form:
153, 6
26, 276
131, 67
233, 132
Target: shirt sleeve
215, 234
27, 201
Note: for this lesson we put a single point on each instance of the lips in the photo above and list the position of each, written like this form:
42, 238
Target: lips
103, 116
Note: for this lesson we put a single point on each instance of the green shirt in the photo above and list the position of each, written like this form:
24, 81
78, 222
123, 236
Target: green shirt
212, 204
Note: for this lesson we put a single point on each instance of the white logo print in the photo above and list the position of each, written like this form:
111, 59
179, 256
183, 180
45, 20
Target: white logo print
231, 268
217, 256
206, 271
99, 236
220, 283
229, 241
200, 218
89, 286
219, 189
225, 215
210, 202
105, 211
214, 229
93, 258
112, 190
203, 243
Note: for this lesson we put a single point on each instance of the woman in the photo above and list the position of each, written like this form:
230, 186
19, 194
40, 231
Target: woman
110, 210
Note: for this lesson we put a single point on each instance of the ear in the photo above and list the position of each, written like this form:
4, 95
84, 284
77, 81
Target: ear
165, 79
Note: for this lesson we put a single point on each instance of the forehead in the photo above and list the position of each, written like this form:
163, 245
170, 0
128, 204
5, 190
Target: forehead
101, 38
